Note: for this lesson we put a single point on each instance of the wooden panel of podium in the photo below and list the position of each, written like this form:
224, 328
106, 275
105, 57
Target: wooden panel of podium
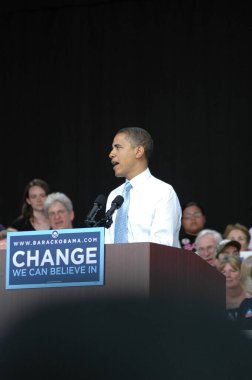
135, 270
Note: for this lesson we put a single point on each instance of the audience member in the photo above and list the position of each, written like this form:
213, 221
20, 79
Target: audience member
230, 266
193, 221
3, 232
126, 339
32, 214
238, 232
3, 237
227, 247
3, 244
245, 310
206, 244
58, 208
154, 212
3, 241
244, 314
250, 229
246, 274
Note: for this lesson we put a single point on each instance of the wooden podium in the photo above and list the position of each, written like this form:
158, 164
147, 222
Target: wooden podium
135, 270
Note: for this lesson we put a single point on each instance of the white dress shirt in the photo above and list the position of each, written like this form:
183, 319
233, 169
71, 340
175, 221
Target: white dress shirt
154, 211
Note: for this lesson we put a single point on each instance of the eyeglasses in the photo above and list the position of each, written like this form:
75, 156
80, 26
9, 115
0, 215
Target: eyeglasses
209, 249
191, 216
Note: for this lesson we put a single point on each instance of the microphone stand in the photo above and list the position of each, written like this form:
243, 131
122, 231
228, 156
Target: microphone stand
89, 222
104, 222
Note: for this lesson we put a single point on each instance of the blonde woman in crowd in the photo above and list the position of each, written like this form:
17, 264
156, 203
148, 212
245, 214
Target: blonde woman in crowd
230, 267
244, 317
246, 274
238, 232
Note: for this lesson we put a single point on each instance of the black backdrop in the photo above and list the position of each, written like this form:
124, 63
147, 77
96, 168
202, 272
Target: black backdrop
73, 73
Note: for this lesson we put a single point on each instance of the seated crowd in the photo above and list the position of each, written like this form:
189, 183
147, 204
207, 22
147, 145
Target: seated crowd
229, 252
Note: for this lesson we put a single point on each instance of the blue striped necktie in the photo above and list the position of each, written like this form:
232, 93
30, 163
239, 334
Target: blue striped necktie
121, 221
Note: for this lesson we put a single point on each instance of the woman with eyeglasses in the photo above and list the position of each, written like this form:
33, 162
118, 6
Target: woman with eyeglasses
192, 222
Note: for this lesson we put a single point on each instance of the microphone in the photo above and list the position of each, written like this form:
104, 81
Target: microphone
98, 204
107, 219
117, 202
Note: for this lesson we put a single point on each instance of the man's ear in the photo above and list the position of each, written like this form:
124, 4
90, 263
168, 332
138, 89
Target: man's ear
72, 216
139, 151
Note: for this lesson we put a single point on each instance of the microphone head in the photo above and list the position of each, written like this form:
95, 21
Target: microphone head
118, 201
100, 200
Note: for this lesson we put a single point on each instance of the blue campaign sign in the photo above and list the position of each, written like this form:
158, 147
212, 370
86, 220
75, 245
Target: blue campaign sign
54, 258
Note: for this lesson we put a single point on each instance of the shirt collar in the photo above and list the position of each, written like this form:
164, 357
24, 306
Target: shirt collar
138, 180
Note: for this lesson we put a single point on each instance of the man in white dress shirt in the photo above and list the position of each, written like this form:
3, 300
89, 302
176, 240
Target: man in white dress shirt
154, 213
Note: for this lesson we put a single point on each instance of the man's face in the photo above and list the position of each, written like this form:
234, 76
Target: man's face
124, 157
229, 250
59, 217
206, 248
